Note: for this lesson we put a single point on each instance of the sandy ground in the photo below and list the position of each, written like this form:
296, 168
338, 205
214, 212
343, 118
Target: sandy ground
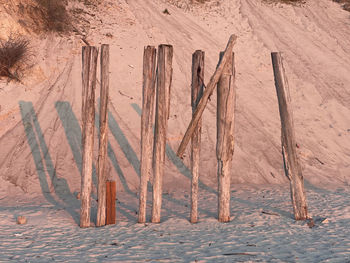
40, 136
262, 230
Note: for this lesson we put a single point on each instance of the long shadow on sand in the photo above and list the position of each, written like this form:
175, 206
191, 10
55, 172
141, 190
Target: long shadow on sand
44, 164
73, 134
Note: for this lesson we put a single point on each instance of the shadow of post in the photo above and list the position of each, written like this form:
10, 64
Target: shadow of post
43, 161
73, 133
181, 167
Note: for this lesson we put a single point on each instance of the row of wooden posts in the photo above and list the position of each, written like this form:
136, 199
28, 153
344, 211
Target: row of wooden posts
157, 78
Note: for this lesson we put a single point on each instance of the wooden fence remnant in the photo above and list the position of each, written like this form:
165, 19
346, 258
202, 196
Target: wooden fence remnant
197, 89
291, 162
110, 202
225, 136
89, 63
103, 140
207, 93
164, 77
148, 94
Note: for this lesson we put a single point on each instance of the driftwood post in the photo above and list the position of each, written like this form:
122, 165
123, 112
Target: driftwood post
89, 57
207, 93
110, 202
225, 136
102, 152
197, 89
164, 76
148, 93
290, 158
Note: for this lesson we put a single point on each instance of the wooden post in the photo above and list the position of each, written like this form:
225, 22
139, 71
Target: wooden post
197, 89
110, 201
225, 137
148, 92
290, 158
89, 55
164, 77
102, 151
207, 93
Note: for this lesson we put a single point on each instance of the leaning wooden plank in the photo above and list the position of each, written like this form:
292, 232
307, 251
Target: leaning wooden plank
290, 158
88, 116
225, 136
207, 93
197, 89
148, 94
102, 152
164, 77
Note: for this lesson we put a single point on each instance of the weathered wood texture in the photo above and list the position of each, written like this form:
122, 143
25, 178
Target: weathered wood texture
148, 94
111, 190
164, 77
197, 89
207, 93
225, 136
291, 162
89, 63
102, 152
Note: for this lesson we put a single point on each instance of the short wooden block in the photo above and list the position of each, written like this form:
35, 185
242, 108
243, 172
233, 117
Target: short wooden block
110, 198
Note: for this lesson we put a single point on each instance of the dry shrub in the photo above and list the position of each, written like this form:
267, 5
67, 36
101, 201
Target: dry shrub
55, 15
45, 16
14, 54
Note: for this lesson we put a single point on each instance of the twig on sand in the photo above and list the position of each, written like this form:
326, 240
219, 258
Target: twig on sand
270, 213
239, 254
123, 94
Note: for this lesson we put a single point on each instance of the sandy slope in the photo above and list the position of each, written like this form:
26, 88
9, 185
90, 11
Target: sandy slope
316, 55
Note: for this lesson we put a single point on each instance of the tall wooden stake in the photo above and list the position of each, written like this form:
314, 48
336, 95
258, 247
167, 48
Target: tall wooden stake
102, 152
89, 55
207, 93
197, 89
148, 93
110, 202
164, 77
225, 137
290, 158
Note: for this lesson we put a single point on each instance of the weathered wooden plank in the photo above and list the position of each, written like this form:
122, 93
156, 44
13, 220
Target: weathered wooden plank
110, 202
197, 89
291, 162
89, 57
225, 136
164, 77
148, 94
102, 152
207, 93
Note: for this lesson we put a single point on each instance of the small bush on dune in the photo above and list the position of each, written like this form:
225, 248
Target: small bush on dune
55, 15
14, 54
44, 15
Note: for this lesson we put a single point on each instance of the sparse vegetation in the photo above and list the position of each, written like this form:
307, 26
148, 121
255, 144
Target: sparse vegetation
14, 54
45, 16
56, 17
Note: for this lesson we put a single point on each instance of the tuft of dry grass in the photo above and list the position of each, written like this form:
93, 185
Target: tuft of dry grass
44, 16
14, 54
55, 15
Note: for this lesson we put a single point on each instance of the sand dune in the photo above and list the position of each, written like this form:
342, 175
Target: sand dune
40, 133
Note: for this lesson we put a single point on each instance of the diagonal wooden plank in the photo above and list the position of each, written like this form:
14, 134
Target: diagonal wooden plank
207, 93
